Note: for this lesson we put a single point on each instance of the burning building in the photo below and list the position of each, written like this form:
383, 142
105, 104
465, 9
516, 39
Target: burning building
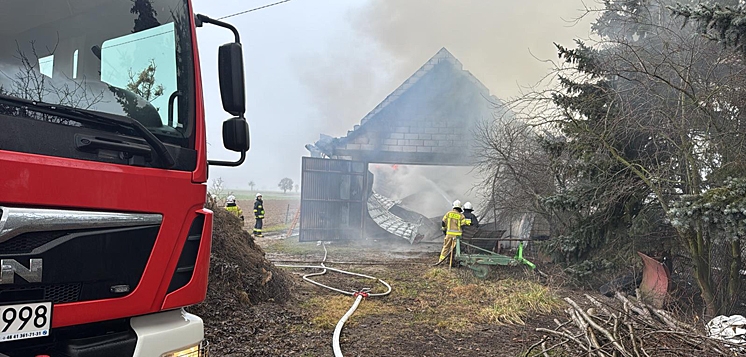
429, 122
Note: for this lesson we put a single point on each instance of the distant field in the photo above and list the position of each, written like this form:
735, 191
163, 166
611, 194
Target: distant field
279, 210
267, 195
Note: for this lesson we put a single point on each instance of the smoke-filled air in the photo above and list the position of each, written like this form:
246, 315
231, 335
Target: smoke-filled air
505, 163
312, 178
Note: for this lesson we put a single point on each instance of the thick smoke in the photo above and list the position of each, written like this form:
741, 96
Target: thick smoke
345, 83
428, 190
500, 41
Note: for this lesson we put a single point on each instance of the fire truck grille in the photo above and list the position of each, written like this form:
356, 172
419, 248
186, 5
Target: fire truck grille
57, 293
25, 243
62, 293
78, 265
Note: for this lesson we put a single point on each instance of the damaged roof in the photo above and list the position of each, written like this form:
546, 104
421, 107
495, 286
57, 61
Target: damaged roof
379, 210
442, 56
428, 119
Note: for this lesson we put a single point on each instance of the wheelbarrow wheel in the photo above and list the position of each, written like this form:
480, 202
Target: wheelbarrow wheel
480, 271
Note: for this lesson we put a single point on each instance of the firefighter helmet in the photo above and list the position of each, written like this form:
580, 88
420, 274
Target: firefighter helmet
468, 205
456, 204
231, 199
258, 195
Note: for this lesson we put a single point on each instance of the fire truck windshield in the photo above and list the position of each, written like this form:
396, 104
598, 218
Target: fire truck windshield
130, 58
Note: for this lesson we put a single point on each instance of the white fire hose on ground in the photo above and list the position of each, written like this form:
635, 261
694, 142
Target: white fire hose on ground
359, 295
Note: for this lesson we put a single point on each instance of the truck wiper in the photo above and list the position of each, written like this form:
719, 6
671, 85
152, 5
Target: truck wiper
88, 116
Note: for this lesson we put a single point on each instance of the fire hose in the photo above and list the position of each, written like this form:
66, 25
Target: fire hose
359, 295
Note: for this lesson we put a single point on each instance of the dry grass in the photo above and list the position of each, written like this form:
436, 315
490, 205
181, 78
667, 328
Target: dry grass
444, 299
516, 299
456, 301
327, 310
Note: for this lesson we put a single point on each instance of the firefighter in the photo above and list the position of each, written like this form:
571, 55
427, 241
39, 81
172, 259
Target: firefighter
451, 223
469, 214
258, 214
232, 207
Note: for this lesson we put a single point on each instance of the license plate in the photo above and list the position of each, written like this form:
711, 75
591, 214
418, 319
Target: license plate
22, 321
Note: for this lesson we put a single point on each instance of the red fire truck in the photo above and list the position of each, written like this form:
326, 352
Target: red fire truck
104, 237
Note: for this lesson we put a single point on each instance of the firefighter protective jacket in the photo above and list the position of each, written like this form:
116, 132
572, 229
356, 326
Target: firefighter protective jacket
259, 209
469, 214
453, 220
233, 208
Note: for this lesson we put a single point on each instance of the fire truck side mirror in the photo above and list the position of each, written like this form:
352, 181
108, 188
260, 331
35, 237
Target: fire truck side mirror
232, 87
236, 134
232, 91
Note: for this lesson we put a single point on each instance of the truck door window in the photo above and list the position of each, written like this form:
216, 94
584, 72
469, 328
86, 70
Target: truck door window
104, 57
144, 63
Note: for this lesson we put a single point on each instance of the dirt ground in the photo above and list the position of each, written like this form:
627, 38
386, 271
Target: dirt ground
256, 307
432, 311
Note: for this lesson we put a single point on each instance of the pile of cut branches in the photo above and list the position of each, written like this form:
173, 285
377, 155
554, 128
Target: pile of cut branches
629, 329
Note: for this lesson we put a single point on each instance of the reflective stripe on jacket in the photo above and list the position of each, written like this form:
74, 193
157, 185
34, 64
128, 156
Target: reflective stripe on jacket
453, 221
258, 209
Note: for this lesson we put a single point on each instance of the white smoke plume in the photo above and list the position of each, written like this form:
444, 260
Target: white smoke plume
428, 190
501, 42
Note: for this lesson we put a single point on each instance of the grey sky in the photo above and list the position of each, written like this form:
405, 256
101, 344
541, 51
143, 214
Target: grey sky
318, 66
